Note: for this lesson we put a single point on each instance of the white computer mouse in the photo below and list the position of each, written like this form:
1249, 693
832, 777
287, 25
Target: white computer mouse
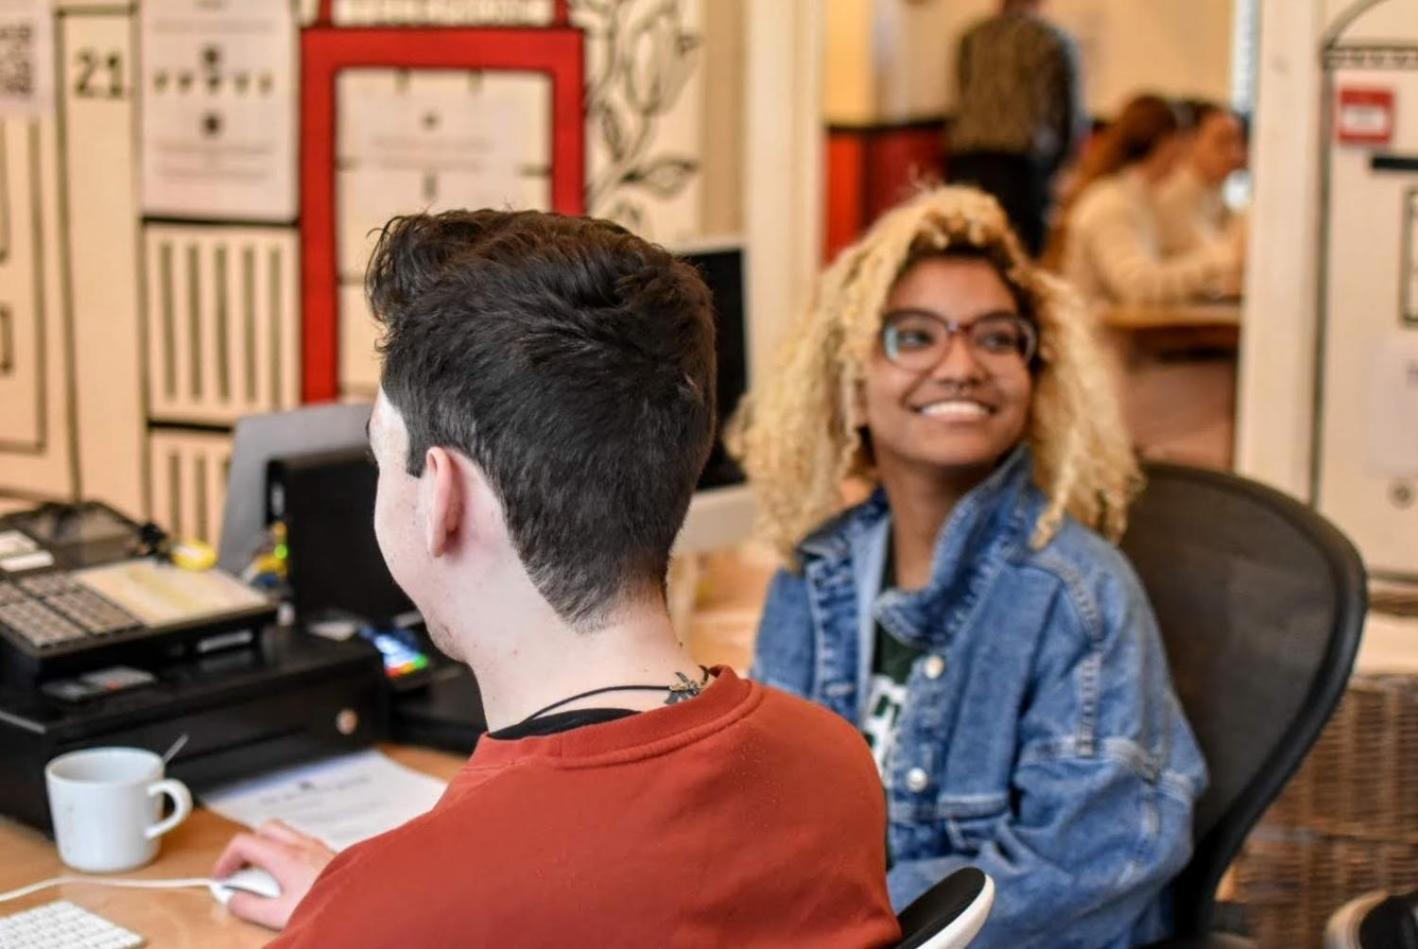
248, 879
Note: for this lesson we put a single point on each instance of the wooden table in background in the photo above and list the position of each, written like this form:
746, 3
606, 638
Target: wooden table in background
1175, 316
165, 918
1178, 387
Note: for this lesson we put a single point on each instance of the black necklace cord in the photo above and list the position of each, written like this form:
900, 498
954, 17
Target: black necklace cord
679, 691
586, 695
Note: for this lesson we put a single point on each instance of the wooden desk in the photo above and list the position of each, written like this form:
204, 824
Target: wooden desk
1178, 378
166, 918
1146, 331
1177, 316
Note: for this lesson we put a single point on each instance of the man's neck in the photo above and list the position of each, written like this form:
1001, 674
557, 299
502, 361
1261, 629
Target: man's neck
527, 660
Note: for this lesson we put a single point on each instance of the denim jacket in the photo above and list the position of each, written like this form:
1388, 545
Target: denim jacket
1040, 739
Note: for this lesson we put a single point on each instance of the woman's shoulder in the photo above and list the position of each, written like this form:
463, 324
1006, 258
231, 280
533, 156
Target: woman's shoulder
1105, 196
1095, 574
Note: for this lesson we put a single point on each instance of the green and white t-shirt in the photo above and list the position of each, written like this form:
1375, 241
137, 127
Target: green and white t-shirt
886, 692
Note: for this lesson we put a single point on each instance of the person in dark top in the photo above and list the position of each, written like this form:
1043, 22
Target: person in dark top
546, 404
1019, 114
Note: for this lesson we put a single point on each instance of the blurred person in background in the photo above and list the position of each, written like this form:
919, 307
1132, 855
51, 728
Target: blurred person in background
1191, 203
1019, 114
1110, 244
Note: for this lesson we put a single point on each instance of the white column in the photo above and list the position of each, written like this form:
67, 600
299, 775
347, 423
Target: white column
783, 167
1276, 401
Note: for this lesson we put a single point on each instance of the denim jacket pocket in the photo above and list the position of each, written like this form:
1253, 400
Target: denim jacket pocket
953, 826
969, 822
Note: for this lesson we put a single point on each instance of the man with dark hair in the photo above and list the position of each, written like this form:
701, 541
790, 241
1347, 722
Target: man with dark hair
546, 404
1019, 113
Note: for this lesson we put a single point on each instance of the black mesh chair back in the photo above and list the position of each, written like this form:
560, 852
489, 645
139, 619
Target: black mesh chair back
1261, 602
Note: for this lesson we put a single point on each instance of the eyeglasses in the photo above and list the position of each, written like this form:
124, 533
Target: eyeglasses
918, 340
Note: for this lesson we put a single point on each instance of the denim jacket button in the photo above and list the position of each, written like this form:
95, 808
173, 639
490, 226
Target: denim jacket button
917, 779
935, 665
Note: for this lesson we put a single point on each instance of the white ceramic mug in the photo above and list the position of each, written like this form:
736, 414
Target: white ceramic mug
106, 803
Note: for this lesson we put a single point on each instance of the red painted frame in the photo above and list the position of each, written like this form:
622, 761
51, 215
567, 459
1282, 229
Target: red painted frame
560, 12
557, 51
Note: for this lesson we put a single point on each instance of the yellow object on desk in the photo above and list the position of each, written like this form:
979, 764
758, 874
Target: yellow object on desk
194, 555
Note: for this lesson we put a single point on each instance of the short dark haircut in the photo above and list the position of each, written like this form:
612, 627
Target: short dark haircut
573, 362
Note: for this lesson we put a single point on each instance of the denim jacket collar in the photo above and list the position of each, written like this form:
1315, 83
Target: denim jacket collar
986, 527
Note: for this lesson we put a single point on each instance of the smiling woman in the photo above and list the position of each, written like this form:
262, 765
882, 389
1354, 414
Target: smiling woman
950, 407
970, 618
805, 434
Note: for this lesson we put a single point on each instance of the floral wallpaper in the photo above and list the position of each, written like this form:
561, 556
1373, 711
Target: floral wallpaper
643, 91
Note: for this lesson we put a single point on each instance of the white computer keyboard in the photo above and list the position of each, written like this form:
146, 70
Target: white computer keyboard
62, 925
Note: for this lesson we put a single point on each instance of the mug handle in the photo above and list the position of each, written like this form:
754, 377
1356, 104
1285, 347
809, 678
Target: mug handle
182, 805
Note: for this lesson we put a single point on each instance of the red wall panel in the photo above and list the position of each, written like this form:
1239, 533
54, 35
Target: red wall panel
870, 168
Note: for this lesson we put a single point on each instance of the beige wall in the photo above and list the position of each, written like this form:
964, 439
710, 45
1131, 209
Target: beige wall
848, 81
98, 281
721, 149
894, 59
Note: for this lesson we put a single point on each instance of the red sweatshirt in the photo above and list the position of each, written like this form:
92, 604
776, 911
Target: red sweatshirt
744, 817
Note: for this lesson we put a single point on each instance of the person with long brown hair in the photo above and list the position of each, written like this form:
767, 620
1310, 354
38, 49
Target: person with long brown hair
1191, 204
1112, 247
972, 617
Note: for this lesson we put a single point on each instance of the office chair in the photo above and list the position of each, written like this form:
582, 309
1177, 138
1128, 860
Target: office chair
1261, 602
950, 914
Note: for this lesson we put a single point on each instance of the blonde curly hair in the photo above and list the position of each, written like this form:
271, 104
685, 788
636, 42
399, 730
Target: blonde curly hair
800, 440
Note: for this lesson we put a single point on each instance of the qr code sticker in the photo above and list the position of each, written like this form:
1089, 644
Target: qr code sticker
17, 72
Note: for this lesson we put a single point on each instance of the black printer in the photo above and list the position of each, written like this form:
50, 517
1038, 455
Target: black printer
105, 640
240, 712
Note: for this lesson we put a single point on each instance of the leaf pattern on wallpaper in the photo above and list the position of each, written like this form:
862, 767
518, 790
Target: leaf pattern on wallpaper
644, 58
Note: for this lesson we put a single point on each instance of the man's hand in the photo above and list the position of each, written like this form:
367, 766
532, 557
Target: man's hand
294, 859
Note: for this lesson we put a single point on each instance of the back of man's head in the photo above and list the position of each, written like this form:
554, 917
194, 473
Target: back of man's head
573, 363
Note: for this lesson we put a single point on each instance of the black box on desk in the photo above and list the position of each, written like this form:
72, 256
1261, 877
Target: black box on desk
293, 698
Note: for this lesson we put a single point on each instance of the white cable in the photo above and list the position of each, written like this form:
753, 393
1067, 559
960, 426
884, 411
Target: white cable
174, 884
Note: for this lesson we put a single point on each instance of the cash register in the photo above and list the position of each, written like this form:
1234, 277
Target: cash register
80, 587
104, 640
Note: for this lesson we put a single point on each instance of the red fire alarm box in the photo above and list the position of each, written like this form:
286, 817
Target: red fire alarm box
1365, 116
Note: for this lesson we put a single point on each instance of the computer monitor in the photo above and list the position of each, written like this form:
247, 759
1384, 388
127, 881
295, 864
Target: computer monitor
257, 440
336, 570
721, 266
723, 510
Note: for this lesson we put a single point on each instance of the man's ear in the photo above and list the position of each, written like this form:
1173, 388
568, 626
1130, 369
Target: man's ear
443, 500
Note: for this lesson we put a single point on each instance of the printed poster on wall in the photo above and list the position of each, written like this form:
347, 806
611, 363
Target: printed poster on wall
218, 138
26, 58
428, 140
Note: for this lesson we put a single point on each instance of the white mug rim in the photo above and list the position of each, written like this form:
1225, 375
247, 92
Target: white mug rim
154, 772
